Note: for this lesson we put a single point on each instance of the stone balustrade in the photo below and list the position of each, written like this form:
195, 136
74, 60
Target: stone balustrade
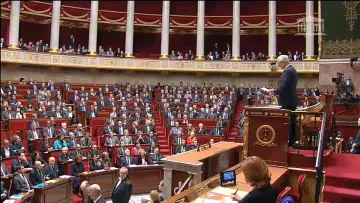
134, 64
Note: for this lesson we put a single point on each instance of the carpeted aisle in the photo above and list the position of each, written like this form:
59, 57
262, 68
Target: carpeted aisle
342, 182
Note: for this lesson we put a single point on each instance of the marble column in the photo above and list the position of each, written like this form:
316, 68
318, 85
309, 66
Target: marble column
55, 27
200, 31
272, 31
236, 31
165, 30
309, 50
14, 25
167, 183
129, 42
93, 27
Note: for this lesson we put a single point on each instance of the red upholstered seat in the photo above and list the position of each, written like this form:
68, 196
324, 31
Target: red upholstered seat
283, 194
296, 193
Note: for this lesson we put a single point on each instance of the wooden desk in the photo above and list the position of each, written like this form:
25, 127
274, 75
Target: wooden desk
278, 178
143, 178
199, 165
27, 196
59, 190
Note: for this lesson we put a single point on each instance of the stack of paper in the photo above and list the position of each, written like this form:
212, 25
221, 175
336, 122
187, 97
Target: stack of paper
202, 200
228, 192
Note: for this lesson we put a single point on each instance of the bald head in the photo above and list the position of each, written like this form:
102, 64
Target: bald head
94, 191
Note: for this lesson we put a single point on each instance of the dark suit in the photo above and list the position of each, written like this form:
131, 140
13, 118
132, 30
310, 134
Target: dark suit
125, 163
17, 163
44, 147
121, 151
36, 177
94, 166
181, 149
11, 152
20, 185
49, 131
100, 200
4, 192
217, 132
156, 159
140, 161
4, 170
123, 191
51, 172
288, 98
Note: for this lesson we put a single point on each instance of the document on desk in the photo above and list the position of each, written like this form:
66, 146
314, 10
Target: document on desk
228, 192
9, 201
203, 200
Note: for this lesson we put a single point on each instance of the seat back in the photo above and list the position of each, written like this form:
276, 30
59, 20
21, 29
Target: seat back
301, 180
283, 194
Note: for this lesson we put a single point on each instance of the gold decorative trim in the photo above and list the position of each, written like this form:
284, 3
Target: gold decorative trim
199, 58
92, 53
341, 48
148, 23
271, 58
164, 56
76, 17
13, 46
112, 21
265, 141
309, 58
129, 55
351, 15
35, 11
54, 50
246, 135
117, 63
236, 58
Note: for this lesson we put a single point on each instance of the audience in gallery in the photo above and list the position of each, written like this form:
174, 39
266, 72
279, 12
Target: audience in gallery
213, 54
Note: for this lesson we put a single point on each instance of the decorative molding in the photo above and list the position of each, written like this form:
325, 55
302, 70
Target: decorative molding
341, 48
165, 66
351, 15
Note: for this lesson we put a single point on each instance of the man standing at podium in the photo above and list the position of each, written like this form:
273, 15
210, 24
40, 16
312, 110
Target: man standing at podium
287, 95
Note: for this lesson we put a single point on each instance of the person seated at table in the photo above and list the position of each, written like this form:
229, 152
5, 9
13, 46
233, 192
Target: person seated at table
64, 131
4, 192
217, 131
51, 170
20, 160
77, 167
79, 131
60, 142
190, 140
86, 141
151, 138
94, 150
105, 159
95, 163
20, 181
94, 192
111, 141
17, 145
78, 151
151, 148
6, 150
36, 175
176, 129
156, 157
71, 142
4, 172
74, 121
36, 157
119, 129
135, 150
201, 130
126, 138
154, 196
49, 130
64, 156
121, 149
140, 137
194, 145
211, 141
183, 147
257, 175
45, 144
189, 129
126, 160
142, 159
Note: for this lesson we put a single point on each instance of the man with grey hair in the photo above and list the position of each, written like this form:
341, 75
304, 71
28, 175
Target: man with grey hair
94, 191
287, 95
36, 175
123, 187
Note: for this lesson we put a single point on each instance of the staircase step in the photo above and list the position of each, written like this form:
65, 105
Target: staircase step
338, 195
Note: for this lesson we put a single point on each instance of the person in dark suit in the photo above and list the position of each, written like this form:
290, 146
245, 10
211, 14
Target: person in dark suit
142, 159
51, 170
182, 148
123, 188
21, 182
121, 149
94, 192
95, 163
20, 161
257, 175
6, 150
76, 168
78, 151
36, 175
4, 172
126, 160
156, 157
49, 130
4, 192
287, 94
217, 131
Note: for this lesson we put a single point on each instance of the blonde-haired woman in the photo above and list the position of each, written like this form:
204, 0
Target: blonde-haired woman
191, 138
257, 175
154, 196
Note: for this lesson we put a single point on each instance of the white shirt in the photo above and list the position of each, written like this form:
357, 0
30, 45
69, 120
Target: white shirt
7, 152
97, 199
36, 136
119, 182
